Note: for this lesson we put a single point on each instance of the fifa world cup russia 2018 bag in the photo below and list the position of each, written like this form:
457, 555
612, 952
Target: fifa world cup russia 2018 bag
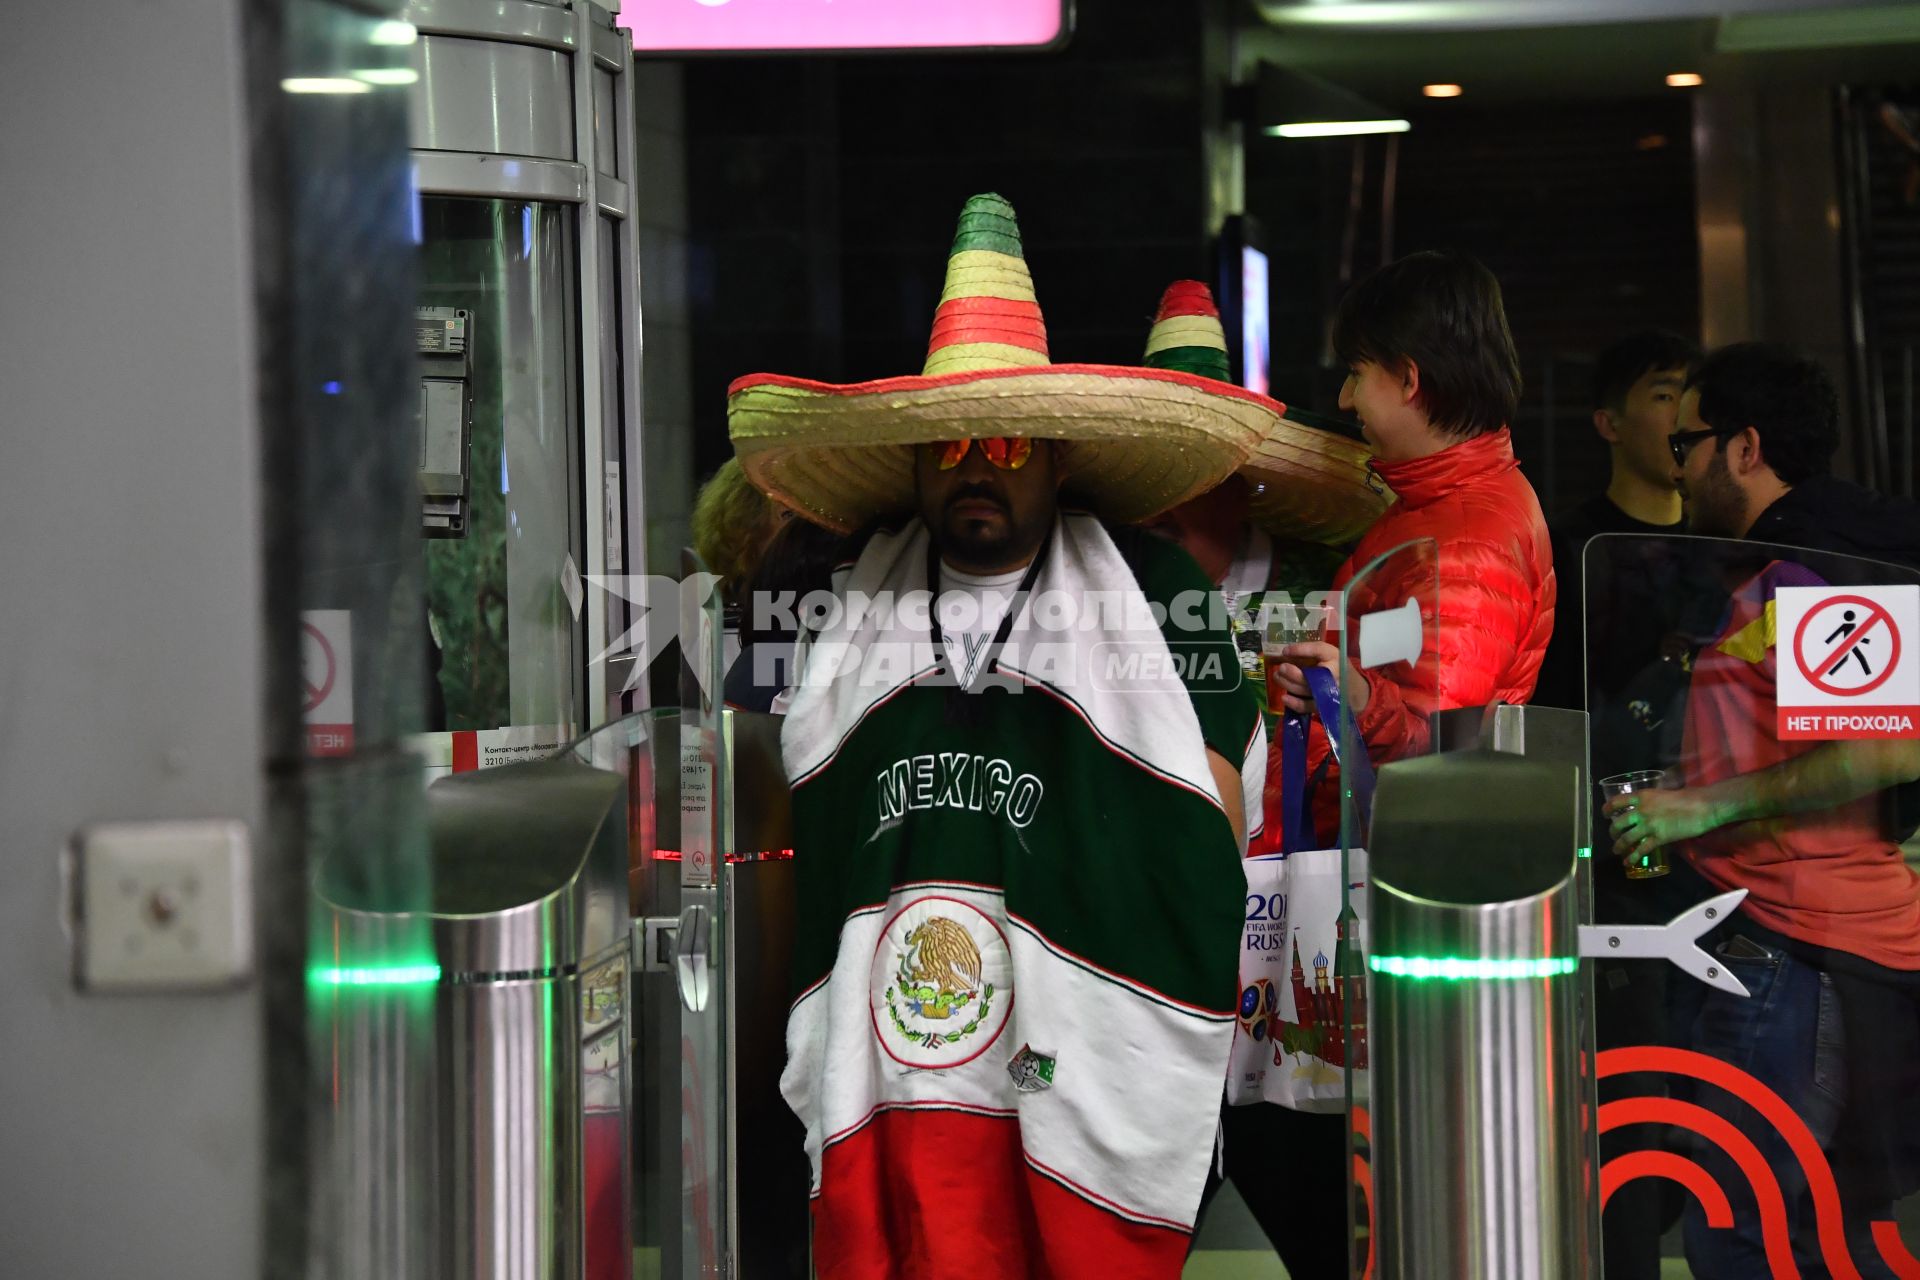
1301, 1016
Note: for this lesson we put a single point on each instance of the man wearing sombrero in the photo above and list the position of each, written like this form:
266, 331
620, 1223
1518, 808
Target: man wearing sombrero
1278, 525
1018, 812
1283, 522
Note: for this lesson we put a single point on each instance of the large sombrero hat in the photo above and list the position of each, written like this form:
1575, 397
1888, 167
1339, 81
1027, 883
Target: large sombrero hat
1308, 477
1137, 441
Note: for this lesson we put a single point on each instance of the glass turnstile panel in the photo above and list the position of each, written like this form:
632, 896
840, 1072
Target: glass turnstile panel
644, 749
722, 1175
1389, 629
704, 980
1775, 1133
504, 627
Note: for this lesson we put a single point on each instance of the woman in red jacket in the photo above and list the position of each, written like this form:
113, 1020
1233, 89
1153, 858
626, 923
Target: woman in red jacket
1433, 379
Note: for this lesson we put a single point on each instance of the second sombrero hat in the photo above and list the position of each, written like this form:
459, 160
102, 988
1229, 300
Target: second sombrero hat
1308, 476
1136, 441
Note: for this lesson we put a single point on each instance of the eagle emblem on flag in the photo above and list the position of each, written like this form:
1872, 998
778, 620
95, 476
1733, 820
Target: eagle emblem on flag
943, 969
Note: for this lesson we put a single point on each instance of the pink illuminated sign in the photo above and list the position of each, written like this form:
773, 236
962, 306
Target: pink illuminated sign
714, 26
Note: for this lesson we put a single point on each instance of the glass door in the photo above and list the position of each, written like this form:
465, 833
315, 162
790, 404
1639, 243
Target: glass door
1772, 1130
503, 593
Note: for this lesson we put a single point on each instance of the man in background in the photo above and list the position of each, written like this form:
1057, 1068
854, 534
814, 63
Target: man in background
1288, 1166
1757, 430
1827, 940
1636, 393
1635, 709
1245, 561
1433, 381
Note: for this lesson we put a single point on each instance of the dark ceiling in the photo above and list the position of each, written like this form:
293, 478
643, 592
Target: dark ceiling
1389, 62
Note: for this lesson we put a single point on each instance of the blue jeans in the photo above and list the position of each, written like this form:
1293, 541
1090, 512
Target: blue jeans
1787, 1034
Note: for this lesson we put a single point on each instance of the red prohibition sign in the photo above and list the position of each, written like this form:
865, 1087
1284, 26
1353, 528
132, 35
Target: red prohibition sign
1876, 614
318, 694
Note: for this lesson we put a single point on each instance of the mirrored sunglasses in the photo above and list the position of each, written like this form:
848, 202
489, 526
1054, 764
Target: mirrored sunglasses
1009, 453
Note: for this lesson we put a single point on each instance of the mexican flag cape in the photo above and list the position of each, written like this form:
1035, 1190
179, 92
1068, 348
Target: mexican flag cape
1018, 925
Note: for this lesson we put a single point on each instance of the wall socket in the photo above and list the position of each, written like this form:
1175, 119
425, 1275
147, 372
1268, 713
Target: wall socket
161, 906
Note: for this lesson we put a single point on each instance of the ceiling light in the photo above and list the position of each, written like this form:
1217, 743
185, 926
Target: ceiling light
325, 84
1822, 29
1442, 90
1337, 128
1290, 104
1684, 80
1509, 15
393, 33
1366, 13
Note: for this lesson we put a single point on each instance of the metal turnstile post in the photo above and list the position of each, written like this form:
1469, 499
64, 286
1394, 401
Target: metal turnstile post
1483, 1163
522, 955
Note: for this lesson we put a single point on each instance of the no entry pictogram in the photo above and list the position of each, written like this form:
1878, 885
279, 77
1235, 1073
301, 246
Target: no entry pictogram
1847, 646
1848, 661
326, 680
315, 653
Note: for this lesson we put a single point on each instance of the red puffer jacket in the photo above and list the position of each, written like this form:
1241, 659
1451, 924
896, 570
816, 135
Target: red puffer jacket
1495, 603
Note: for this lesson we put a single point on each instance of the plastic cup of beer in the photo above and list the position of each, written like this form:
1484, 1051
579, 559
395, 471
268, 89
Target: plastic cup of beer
1652, 864
1283, 625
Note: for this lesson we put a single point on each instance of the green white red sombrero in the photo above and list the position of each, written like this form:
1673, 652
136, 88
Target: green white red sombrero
1136, 440
1308, 477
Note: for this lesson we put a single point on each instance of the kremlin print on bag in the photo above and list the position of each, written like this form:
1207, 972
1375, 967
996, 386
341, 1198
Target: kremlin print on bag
1302, 1011
1303, 989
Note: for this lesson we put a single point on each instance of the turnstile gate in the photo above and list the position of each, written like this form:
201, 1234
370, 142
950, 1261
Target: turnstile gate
1483, 1163
521, 951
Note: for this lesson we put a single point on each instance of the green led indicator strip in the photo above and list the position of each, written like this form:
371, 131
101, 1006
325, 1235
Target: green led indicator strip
389, 975
1453, 969
1586, 851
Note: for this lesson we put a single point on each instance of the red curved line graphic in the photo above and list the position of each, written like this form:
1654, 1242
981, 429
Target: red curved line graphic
1363, 1175
1621, 1170
1886, 1235
1685, 1062
1775, 1234
1363, 1123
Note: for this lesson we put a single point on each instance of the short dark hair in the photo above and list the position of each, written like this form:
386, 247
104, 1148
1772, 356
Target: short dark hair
801, 558
1443, 312
1781, 392
1635, 356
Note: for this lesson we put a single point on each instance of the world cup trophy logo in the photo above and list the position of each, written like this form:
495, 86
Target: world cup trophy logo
1259, 1002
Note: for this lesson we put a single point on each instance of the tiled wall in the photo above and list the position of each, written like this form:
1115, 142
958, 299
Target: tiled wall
1585, 212
666, 400
823, 194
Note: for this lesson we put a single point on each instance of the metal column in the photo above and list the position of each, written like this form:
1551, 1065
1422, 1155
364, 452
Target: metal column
1559, 736
1482, 1165
523, 981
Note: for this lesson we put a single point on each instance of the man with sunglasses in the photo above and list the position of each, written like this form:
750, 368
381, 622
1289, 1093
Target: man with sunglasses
1753, 446
1827, 941
989, 504
1017, 810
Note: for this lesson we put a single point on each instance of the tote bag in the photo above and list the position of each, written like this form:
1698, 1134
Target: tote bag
1302, 1005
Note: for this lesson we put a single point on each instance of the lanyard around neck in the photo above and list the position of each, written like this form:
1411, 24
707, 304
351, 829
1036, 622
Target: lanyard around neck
1003, 631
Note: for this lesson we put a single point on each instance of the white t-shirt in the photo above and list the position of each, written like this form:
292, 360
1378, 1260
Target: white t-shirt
970, 607
1250, 570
